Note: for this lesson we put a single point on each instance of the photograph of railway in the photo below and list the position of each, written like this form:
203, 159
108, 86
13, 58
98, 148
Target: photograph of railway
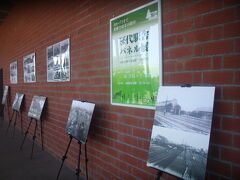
79, 120
181, 131
36, 108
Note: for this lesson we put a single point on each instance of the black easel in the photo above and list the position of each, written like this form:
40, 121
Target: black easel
17, 114
6, 106
78, 170
34, 134
159, 174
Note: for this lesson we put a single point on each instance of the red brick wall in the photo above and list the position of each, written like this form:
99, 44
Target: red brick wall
201, 42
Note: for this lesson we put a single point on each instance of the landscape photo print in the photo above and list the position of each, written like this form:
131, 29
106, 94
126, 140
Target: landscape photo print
17, 102
36, 108
181, 131
79, 120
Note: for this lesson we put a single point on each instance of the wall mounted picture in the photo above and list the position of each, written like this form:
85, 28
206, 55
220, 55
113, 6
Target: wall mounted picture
17, 102
29, 68
36, 108
181, 131
79, 120
58, 61
13, 73
5, 94
136, 59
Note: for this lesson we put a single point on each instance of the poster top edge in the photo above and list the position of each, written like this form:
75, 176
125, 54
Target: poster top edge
135, 9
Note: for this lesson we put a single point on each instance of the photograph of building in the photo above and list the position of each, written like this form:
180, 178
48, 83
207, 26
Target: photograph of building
36, 108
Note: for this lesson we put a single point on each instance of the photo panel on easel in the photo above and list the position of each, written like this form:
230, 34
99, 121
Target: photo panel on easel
17, 102
36, 108
79, 120
5, 94
13, 73
181, 131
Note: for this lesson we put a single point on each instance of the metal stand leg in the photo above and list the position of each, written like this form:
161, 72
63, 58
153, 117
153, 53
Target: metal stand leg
41, 133
20, 114
9, 122
34, 137
86, 161
14, 124
64, 157
25, 134
78, 170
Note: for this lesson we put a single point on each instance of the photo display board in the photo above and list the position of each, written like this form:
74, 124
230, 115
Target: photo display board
181, 131
36, 108
13, 73
136, 59
29, 68
58, 62
5, 94
17, 102
79, 120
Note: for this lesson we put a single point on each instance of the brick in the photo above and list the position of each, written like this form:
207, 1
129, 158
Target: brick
197, 78
198, 36
198, 50
181, 78
170, 16
180, 52
217, 32
169, 66
237, 109
218, 77
231, 124
169, 41
217, 62
218, 47
198, 64
236, 141
231, 93
230, 2
235, 172
225, 108
237, 45
219, 17
180, 26
214, 151
230, 155
219, 167
221, 138
231, 30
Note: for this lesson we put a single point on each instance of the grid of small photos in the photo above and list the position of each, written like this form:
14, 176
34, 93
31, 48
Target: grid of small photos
58, 64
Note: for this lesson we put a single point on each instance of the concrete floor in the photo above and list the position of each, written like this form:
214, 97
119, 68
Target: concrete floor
17, 165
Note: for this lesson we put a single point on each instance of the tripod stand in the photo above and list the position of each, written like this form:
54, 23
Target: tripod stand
17, 115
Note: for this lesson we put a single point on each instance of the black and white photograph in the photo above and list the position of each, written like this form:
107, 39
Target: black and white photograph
36, 108
13, 73
17, 102
58, 61
29, 68
5, 94
79, 120
181, 131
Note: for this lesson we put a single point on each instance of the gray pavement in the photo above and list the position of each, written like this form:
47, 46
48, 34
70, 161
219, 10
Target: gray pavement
17, 165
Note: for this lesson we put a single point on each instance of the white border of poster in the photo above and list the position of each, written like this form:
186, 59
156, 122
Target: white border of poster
138, 70
58, 64
14, 72
29, 68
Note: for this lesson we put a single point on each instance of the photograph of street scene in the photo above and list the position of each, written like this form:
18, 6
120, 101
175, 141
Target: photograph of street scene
181, 131
36, 108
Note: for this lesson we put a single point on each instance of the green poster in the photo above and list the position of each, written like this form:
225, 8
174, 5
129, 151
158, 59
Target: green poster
135, 57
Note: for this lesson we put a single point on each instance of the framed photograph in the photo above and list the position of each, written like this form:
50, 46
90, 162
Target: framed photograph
58, 62
136, 56
5, 94
29, 68
17, 102
36, 108
13, 73
181, 131
79, 120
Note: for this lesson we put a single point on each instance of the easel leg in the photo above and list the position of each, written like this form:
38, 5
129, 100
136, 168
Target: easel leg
159, 174
20, 114
41, 133
86, 161
64, 157
14, 124
9, 122
25, 134
34, 137
78, 170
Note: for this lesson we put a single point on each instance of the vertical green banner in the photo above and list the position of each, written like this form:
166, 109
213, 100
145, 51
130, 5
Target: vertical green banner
136, 57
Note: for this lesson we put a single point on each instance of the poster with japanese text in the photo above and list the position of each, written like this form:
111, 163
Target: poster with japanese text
29, 68
136, 58
58, 62
13, 73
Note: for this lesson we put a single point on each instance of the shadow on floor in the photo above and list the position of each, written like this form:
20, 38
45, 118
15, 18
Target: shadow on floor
16, 164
